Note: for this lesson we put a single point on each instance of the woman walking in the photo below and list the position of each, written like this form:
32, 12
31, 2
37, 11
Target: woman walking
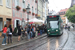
4, 32
19, 33
10, 34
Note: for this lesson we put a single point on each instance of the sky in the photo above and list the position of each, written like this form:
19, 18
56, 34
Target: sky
57, 5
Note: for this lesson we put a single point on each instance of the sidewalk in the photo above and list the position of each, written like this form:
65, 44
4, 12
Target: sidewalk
15, 42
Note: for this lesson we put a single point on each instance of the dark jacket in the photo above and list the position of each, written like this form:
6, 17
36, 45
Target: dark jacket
28, 29
10, 28
19, 30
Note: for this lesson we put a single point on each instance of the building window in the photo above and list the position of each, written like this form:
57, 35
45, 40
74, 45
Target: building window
32, 9
8, 3
0, 2
16, 3
13, 13
35, 11
28, 5
23, 3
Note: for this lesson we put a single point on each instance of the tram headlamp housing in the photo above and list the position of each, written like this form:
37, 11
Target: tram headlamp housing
48, 30
56, 30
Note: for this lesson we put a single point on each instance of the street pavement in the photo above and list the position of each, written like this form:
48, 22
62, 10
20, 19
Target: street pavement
15, 42
70, 45
44, 43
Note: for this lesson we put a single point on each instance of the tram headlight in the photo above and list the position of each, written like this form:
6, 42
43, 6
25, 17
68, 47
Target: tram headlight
56, 30
48, 30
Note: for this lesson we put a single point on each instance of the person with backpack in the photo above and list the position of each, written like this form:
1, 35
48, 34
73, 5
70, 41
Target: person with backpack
4, 33
9, 34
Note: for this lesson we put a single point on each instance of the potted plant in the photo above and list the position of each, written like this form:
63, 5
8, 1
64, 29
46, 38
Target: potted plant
29, 11
18, 8
15, 31
33, 13
24, 10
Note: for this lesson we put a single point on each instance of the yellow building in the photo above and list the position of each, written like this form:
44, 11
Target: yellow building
5, 13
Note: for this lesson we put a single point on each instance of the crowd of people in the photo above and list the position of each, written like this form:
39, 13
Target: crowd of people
29, 31
69, 27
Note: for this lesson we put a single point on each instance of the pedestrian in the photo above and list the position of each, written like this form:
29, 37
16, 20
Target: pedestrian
4, 32
68, 28
10, 34
31, 32
41, 30
19, 32
22, 32
28, 32
34, 31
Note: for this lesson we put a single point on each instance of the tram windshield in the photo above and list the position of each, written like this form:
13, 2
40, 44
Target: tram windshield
53, 24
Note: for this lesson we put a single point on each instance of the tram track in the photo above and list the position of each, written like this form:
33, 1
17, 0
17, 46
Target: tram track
62, 46
65, 41
42, 44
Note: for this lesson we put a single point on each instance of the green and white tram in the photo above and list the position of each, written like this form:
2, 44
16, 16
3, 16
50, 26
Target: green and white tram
54, 25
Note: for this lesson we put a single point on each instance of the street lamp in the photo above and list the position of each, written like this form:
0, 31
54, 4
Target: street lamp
27, 9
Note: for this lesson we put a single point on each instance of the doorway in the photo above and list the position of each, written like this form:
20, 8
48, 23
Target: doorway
8, 21
17, 23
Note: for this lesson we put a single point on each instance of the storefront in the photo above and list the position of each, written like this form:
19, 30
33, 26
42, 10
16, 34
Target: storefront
4, 20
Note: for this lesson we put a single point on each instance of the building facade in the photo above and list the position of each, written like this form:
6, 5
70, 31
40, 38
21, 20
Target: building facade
62, 15
42, 9
20, 12
45, 9
5, 13
72, 3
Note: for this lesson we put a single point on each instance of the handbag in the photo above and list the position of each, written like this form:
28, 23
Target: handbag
8, 30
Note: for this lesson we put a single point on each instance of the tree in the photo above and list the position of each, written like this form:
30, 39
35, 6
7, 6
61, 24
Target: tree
71, 14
